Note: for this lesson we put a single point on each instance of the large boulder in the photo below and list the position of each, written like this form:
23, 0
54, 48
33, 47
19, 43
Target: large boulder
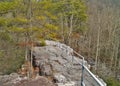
58, 58
52, 60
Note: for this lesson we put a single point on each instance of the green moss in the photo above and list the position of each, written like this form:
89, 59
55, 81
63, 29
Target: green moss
112, 82
42, 43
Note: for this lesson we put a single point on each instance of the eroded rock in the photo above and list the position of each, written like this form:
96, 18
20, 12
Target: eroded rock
59, 78
59, 58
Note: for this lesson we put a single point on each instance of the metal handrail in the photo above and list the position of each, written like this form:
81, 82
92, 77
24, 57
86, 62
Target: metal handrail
82, 76
85, 68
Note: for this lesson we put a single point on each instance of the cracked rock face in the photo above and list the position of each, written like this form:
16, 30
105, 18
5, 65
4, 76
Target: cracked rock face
52, 60
57, 58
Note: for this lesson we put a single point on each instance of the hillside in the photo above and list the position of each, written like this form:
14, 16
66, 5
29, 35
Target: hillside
90, 27
56, 62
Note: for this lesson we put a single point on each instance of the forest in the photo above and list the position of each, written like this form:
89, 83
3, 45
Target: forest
91, 27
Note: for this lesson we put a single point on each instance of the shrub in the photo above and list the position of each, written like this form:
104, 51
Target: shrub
112, 82
42, 43
12, 66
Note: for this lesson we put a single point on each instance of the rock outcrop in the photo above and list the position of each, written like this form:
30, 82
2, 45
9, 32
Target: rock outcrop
56, 62
58, 58
52, 60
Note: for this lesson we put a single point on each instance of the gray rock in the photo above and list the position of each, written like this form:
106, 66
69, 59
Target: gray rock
7, 80
46, 70
58, 58
57, 67
14, 76
52, 59
59, 78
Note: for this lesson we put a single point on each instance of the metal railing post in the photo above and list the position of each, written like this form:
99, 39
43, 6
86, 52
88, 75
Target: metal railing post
84, 68
82, 76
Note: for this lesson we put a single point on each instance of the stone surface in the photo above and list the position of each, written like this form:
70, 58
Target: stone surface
8, 78
58, 78
40, 81
52, 59
13, 80
59, 58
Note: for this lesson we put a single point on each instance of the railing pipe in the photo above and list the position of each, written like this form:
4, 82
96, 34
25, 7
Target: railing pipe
82, 76
85, 68
94, 77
